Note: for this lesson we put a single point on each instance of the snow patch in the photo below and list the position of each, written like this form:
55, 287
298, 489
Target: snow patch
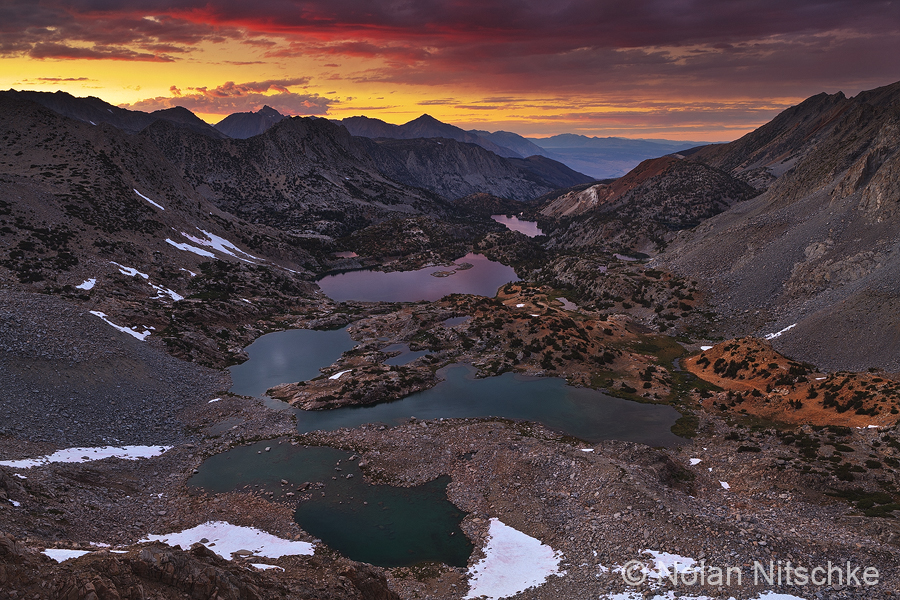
695, 461
671, 595
725, 485
221, 244
191, 273
338, 374
587, 449
213, 400
79, 455
265, 567
129, 271
520, 305
705, 348
772, 336
162, 292
128, 330
87, 285
512, 563
159, 206
189, 248
230, 538
16, 504
64, 554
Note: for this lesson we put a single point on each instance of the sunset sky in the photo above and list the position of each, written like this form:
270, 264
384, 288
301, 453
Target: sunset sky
678, 69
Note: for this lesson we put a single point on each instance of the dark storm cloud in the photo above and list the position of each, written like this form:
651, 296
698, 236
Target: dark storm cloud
559, 26
57, 30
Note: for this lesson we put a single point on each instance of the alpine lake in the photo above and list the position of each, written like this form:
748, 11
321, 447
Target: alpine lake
388, 525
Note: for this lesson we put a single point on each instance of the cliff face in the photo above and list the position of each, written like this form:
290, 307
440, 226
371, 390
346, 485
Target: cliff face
819, 247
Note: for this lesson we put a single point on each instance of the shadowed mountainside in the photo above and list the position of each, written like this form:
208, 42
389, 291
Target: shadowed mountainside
642, 210
454, 169
819, 247
306, 175
95, 111
101, 218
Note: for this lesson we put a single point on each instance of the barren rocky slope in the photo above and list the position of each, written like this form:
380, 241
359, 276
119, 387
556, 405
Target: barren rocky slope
69, 379
101, 218
819, 247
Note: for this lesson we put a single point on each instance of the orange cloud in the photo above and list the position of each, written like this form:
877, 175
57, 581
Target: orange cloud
233, 97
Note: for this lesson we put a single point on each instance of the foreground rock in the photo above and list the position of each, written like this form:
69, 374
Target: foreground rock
158, 571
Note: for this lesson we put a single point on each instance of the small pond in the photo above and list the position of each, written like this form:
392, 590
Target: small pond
454, 321
378, 524
286, 357
471, 274
529, 228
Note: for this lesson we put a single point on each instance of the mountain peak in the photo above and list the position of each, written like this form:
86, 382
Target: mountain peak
268, 111
426, 118
248, 124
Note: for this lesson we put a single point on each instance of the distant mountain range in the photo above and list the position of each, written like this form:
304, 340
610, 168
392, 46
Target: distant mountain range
95, 111
608, 157
601, 158
598, 158
425, 126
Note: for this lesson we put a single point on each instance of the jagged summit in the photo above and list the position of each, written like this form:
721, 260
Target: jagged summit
248, 124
